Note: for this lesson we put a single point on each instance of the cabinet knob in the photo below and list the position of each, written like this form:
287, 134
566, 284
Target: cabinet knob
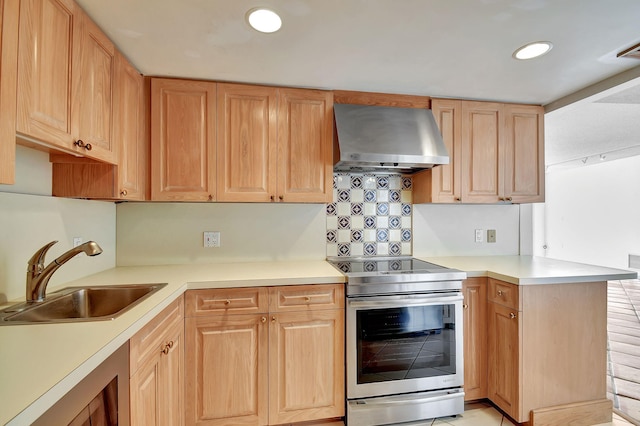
263, 320
458, 199
88, 147
273, 319
210, 198
123, 193
272, 198
500, 198
500, 293
307, 299
512, 315
227, 302
167, 347
465, 306
509, 198
281, 197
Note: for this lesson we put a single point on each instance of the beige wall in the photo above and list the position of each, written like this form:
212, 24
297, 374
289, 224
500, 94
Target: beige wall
171, 233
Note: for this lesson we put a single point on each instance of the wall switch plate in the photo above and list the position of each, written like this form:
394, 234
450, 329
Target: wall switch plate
77, 241
211, 238
479, 234
491, 235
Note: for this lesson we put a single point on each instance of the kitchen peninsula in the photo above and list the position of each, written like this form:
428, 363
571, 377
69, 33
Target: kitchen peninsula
27, 392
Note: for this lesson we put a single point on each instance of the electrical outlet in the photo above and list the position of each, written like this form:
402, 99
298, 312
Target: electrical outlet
479, 234
491, 235
77, 241
211, 238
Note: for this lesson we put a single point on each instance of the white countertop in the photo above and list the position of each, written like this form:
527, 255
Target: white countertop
530, 270
40, 363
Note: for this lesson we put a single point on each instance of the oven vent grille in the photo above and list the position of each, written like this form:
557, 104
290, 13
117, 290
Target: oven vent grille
632, 52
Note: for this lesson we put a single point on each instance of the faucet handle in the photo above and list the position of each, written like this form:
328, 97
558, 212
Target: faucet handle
36, 263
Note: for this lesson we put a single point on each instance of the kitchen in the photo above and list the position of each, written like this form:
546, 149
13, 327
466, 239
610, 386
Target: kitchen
128, 232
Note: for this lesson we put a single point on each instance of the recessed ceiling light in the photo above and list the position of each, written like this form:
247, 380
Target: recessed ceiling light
264, 20
533, 50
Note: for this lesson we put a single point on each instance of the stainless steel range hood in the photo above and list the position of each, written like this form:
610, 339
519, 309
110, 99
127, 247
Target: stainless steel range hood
377, 138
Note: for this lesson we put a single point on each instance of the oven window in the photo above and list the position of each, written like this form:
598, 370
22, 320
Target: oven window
405, 343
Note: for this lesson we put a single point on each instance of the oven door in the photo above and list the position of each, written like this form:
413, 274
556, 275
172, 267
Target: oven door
403, 343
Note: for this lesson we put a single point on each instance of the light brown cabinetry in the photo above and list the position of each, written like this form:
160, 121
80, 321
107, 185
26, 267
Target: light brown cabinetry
547, 351
156, 369
183, 140
276, 352
274, 144
65, 80
9, 12
475, 338
86, 178
496, 154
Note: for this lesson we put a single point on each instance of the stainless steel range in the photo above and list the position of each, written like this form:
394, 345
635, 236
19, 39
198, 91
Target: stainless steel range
403, 340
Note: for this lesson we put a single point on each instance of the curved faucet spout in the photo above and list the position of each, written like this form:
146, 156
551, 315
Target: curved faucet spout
38, 276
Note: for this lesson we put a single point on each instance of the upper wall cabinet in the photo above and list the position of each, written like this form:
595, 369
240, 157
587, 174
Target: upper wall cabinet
496, 154
9, 12
65, 80
183, 140
274, 144
86, 178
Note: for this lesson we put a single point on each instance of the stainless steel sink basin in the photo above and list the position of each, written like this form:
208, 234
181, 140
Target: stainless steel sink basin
73, 304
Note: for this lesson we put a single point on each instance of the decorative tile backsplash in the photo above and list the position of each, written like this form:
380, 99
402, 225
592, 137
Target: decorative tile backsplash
370, 215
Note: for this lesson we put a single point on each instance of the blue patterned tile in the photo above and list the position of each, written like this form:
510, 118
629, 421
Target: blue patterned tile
382, 209
406, 209
394, 196
382, 235
370, 196
370, 266
344, 222
357, 209
395, 222
344, 195
406, 235
382, 182
356, 236
331, 209
356, 182
370, 222
331, 236
395, 265
395, 249
344, 249
370, 249
344, 266
407, 183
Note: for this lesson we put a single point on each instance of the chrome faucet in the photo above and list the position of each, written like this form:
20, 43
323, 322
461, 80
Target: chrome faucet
38, 276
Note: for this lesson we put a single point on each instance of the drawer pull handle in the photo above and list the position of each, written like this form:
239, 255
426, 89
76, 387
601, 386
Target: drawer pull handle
227, 302
512, 315
263, 320
500, 293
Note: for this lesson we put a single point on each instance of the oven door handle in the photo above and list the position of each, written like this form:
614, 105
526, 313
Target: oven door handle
399, 301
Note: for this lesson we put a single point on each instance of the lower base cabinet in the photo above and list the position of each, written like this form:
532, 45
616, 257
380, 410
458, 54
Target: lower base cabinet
258, 356
156, 370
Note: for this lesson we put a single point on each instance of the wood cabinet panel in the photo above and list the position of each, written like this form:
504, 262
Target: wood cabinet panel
206, 302
247, 141
306, 297
144, 386
306, 366
9, 13
524, 153
227, 353
475, 338
183, 150
504, 293
305, 149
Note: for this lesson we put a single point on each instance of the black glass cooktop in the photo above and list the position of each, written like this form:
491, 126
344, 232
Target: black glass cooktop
383, 265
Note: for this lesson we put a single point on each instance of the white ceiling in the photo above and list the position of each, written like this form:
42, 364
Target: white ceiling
451, 48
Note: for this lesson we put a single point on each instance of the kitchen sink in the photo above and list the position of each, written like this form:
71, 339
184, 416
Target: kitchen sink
74, 304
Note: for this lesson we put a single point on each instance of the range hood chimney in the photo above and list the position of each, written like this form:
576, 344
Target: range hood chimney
387, 139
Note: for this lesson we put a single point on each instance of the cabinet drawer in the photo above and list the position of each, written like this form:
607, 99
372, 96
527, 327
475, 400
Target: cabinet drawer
504, 293
151, 338
249, 300
306, 297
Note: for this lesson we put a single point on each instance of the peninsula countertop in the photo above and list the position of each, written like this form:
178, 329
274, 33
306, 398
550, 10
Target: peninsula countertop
40, 363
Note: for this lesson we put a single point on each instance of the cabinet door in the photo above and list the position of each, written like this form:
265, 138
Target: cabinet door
171, 390
481, 168
183, 150
93, 70
226, 370
246, 142
45, 53
305, 146
9, 12
524, 154
306, 353
144, 391
504, 358
129, 131
475, 338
